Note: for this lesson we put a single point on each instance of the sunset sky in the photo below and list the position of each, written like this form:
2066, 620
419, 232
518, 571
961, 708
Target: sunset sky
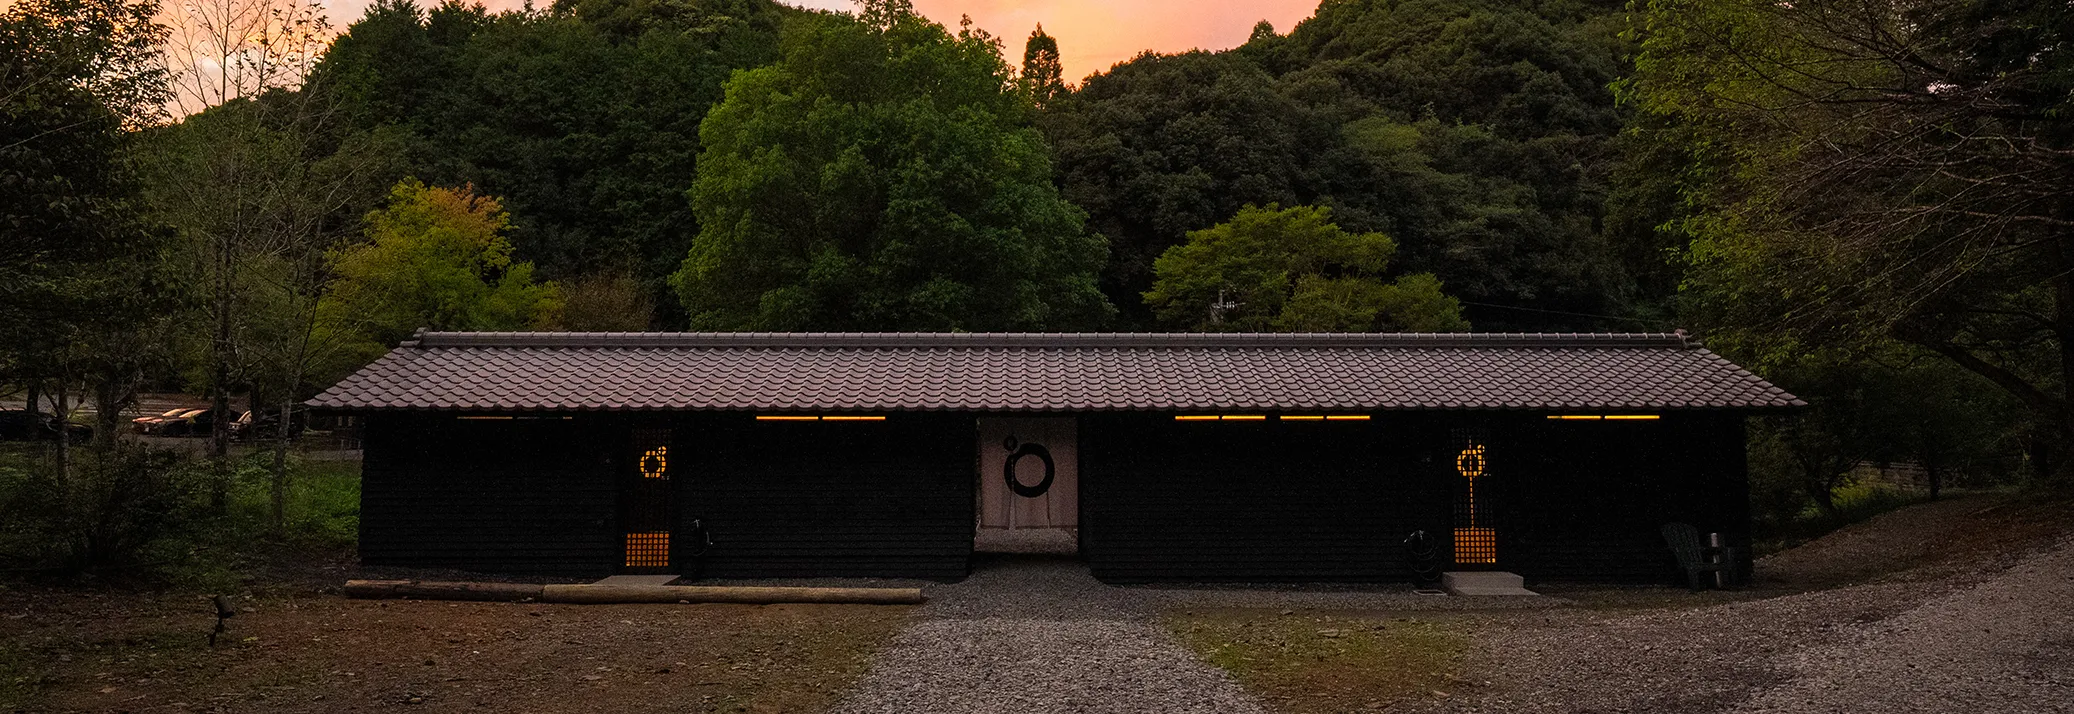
1092, 34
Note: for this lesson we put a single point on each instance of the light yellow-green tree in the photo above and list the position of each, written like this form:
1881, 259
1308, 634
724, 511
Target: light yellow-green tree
436, 257
1293, 270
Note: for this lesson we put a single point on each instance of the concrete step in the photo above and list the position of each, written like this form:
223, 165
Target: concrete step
1485, 583
639, 580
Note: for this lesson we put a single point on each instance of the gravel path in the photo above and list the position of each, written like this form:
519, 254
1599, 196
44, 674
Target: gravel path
2006, 645
1038, 634
1988, 641
1035, 635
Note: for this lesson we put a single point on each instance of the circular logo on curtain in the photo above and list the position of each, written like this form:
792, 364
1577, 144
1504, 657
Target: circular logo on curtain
1015, 456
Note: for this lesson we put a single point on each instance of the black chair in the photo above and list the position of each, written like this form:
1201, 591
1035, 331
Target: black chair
1696, 557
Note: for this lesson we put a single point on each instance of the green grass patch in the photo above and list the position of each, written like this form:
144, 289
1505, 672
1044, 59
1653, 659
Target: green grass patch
322, 504
1326, 663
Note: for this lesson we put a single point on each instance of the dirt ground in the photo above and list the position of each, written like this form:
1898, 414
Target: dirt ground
69, 651
1836, 613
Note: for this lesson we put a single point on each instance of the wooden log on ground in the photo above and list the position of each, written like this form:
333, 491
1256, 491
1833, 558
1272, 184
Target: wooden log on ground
429, 590
619, 594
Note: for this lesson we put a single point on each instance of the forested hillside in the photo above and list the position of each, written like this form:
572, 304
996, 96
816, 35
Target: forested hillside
1478, 135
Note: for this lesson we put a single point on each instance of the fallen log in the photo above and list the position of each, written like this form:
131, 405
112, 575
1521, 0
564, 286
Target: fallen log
615, 594
432, 590
626, 594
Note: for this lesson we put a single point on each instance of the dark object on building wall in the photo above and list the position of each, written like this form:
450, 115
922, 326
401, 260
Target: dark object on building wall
1422, 558
1016, 454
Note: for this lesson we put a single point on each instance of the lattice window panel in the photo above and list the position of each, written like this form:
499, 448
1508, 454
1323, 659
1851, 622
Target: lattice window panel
1476, 546
648, 550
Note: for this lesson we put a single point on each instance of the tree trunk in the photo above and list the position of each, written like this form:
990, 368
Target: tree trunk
35, 395
2063, 332
109, 398
64, 435
220, 354
282, 434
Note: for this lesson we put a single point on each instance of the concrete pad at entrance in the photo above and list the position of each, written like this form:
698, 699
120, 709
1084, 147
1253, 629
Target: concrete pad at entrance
639, 580
1485, 583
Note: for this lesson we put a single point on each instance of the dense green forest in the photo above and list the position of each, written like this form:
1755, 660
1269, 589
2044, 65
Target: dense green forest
1865, 201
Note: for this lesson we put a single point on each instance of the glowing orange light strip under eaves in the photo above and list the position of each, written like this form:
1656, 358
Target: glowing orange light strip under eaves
1264, 417
1608, 417
820, 418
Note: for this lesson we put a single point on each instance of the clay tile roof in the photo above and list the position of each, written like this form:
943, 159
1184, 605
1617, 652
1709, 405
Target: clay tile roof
1049, 372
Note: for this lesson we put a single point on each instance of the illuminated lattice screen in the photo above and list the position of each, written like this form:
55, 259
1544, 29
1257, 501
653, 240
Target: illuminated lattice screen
648, 550
1476, 538
1476, 546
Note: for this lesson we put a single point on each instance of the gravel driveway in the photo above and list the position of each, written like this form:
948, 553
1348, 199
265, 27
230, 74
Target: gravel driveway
2005, 645
1040, 635
1992, 640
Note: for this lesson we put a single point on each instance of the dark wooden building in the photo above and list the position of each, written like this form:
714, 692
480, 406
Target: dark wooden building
1232, 457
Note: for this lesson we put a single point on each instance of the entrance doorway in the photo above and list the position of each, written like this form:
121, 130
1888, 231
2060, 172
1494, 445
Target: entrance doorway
644, 508
1029, 485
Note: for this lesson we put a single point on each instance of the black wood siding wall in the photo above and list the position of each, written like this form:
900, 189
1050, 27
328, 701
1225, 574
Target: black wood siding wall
1161, 500
1246, 501
1333, 502
849, 499
1589, 499
519, 496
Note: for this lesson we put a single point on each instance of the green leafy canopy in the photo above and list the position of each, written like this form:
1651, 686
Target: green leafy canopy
1294, 270
437, 257
883, 176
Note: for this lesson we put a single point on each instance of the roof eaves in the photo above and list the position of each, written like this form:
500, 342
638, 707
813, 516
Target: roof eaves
1042, 340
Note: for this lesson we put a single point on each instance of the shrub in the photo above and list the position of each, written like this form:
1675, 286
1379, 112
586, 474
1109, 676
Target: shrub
111, 508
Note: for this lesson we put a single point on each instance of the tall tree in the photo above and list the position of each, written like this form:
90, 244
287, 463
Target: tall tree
1163, 145
1866, 170
261, 190
240, 191
1044, 76
883, 175
77, 77
1293, 270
